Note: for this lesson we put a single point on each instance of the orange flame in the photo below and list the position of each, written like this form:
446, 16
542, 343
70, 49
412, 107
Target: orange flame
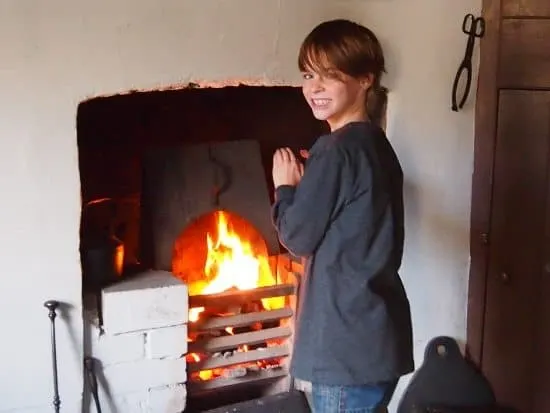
203, 374
232, 263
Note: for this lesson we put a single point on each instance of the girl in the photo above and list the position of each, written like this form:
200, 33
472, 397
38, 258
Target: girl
344, 213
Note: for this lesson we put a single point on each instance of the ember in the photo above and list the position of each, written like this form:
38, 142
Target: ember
235, 371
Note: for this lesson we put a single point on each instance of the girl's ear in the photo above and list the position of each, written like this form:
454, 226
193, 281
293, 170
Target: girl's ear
367, 81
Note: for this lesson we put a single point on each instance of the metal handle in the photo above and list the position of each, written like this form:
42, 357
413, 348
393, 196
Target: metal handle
52, 306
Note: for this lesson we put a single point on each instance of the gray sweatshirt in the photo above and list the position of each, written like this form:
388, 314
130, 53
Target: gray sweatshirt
346, 218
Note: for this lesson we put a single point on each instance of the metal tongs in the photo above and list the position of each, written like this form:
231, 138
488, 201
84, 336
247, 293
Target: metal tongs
473, 27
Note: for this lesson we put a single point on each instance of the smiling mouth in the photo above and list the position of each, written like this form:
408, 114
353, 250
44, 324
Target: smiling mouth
320, 102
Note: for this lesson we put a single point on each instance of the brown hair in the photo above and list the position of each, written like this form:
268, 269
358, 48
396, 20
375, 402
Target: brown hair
351, 49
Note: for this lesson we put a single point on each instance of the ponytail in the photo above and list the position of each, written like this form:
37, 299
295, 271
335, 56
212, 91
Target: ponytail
376, 103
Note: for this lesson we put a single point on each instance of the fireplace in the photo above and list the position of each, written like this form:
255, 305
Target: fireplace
205, 301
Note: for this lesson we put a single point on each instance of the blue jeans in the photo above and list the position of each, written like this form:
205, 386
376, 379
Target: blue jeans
352, 399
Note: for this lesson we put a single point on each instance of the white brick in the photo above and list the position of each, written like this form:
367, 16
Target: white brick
150, 300
167, 342
145, 374
115, 403
136, 402
170, 399
121, 348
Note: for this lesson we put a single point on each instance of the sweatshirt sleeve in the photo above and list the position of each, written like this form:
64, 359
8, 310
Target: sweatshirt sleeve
302, 214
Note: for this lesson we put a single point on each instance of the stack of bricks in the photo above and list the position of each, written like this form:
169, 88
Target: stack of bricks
140, 349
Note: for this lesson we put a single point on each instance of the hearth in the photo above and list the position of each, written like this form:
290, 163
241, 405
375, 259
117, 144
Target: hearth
203, 314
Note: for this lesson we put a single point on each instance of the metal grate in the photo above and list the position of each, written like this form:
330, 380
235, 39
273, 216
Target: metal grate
267, 349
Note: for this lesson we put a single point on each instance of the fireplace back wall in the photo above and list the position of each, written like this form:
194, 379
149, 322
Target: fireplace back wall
115, 132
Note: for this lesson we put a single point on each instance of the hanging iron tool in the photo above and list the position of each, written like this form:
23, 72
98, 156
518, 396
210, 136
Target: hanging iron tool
89, 368
222, 177
473, 27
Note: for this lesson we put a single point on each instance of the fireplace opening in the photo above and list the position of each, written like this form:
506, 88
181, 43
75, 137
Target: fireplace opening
115, 133
180, 180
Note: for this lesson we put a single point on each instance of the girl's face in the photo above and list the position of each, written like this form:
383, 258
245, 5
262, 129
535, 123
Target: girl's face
335, 97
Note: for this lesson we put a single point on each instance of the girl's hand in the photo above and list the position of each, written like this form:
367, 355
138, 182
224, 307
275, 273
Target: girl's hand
287, 170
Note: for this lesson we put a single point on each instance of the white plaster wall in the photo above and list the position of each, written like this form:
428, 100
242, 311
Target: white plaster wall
55, 54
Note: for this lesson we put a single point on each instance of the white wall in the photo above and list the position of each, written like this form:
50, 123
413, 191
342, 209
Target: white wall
55, 54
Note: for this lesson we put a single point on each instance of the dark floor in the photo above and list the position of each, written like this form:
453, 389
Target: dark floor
292, 402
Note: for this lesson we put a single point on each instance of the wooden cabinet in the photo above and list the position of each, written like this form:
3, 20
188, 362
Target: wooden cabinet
525, 53
517, 330
535, 8
509, 304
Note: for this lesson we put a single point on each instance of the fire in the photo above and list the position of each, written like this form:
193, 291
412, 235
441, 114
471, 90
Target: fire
232, 263
203, 374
